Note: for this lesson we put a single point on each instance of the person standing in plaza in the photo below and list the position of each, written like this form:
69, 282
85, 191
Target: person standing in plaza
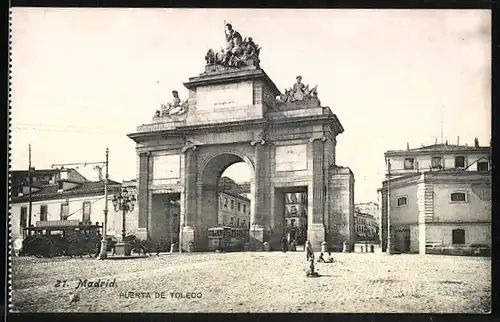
309, 250
284, 244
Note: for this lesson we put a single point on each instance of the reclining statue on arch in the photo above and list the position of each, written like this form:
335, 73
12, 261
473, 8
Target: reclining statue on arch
174, 108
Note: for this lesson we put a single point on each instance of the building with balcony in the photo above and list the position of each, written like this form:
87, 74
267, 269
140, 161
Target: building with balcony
370, 208
366, 226
234, 210
58, 194
296, 217
437, 194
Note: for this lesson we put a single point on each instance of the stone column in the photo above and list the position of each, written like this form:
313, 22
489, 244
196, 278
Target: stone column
189, 215
143, 195
316, 229
257, 215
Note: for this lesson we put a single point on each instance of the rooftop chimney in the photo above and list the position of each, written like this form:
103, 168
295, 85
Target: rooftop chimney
446, 142
476, 142
458, 140
407, 146
99, 173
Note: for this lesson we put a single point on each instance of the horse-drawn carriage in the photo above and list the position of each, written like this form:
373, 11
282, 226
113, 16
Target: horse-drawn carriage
61, 238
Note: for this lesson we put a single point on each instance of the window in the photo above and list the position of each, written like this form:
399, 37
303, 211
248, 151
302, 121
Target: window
232, 220
24, 219
237, 221
436, 163
243, 223
64, 211
409, 164
459, 162
458, 236
292, 222
232, 204
482, 166
43, 213
402, 201
244, 208
458, 197
225, 202
86, 211
239, 206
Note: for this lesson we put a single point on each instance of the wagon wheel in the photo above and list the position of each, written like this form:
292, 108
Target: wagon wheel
39, 246
35, 248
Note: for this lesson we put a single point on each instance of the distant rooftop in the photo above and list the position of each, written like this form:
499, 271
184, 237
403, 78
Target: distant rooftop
52, 191
441, 147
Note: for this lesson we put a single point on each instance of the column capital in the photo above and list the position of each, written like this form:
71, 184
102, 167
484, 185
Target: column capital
323, 139
145, 153
188, 146
261, 142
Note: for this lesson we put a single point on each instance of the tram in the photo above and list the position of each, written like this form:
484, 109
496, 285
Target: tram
225, 238
60, 238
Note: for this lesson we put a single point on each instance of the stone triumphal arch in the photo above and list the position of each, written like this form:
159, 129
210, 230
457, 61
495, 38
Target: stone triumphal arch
235, 113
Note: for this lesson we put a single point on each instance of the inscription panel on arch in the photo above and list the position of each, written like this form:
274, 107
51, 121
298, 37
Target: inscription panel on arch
167, 167
224, 97
291, 157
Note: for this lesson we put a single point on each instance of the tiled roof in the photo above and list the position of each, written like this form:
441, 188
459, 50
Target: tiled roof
85, 188
441, 147
35, 172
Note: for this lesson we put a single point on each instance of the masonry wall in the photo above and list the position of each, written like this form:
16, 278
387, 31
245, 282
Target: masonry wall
406, 214
341, 207
474, 233
414, 238
473, 210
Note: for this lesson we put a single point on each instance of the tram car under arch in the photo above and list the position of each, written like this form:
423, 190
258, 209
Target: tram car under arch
225, 238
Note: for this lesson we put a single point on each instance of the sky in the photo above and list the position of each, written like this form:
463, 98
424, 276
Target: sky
84, 78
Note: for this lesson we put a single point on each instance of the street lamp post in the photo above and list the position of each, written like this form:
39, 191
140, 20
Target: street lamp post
104, 243
254, 239
123, 202
388, 250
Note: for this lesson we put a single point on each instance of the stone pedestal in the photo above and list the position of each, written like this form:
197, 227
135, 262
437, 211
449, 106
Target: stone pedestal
187, 237
123, 249
257, 238
316, 235
346, 247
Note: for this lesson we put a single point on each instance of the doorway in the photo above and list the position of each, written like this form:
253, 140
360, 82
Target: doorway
165, 213
293, 204
402, 240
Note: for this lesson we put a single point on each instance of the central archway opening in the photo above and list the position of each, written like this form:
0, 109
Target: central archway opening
226, 196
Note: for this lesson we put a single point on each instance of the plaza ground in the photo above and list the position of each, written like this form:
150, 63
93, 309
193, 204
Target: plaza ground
257, 282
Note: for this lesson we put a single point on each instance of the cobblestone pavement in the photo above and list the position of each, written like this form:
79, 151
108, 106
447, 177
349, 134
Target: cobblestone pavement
256, 282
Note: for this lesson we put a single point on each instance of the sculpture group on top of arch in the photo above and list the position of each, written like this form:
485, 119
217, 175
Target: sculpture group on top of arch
238, 52
299, 92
